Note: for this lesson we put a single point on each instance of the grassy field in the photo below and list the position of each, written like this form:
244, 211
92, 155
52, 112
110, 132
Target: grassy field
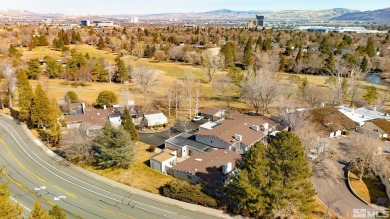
139, 174
367, 189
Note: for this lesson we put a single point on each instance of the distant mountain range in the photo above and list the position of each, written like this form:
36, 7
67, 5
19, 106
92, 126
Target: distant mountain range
341, 14
377, 15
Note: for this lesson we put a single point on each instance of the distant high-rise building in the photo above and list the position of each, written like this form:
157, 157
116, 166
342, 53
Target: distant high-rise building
260, 20
134, 20
85, 23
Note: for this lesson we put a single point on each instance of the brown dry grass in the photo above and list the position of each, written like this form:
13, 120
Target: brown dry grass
139, 174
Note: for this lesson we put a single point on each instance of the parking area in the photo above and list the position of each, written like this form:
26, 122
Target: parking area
158, 138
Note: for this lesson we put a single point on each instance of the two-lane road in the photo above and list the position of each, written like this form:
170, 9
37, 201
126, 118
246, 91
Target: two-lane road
35, 176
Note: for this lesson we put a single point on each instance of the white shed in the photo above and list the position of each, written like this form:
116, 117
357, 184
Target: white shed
155, 119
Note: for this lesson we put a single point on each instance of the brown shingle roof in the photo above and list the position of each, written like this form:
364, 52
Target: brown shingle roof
208, 166
241, 125
383, 124
331, 119
209, 110
92, 117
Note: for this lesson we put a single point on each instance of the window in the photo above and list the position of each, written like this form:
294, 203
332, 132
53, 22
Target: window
211, 141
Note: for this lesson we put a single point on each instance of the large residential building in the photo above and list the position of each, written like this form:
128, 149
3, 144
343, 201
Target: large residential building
361, 115
238, 132
104, 23
260, 20
210, 168
134, 20
85, 23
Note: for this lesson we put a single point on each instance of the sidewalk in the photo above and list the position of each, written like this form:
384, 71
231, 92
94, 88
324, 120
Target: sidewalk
197, 208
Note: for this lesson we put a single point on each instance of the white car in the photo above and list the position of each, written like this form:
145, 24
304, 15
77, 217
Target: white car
197, 118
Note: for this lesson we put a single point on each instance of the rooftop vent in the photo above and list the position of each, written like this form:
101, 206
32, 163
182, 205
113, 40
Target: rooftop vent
198, 159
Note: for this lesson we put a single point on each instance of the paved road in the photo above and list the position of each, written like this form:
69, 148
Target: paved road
335, 193
32, 174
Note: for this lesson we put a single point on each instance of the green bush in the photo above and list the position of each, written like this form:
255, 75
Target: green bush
184, 191
346, 132
72, 96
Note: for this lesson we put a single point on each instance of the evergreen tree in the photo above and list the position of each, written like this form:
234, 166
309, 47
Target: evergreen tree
106, 98
267, 44
13, 52
325, 46
26, 96
330, 65
57, 213
114, 148
370, 48
40, 110
299, 55
101, 44
34, 68
387, 39
364, 65
289, 174
74, 38
229, 50
99, 73
283, 66
249, 186
42, 40
121, 74
38, 212
371, 94
72, 96
259, 44
53, 68
248, 59
128, 125
8, 209
236, 75
66, 39
78, 37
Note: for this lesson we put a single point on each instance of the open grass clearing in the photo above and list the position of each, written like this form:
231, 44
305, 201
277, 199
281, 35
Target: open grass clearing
139, 174
369, 189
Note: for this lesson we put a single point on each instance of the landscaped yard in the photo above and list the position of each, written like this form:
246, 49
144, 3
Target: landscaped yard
368, 189
139, 174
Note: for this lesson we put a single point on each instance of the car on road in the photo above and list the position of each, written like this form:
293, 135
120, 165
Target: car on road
197, 118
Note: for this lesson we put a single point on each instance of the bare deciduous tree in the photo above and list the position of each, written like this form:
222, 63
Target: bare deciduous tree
342, 85
139, 49
212, 63
260, 89
224, 88
145, 78
366, 155
76, 146
9, 84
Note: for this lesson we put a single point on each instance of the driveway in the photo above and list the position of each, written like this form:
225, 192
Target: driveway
335, 193
158, 138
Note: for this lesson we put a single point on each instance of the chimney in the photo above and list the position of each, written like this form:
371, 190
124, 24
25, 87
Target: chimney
265, 126
104, 107
322, 105
256, 128
374, 108
83, 107
238, 137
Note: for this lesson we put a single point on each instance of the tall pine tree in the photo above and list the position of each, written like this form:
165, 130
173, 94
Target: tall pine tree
26, 96
121, 74
289, 174
34, 68
248, 59
38, 212
8, 209
57, 213
41, 109
128, 125
370, 48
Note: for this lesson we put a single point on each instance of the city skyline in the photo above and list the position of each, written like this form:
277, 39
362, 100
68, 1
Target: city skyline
104, 7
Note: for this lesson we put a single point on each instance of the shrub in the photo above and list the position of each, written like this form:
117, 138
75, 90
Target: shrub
184, 191
346, 132
152, 148
72, 96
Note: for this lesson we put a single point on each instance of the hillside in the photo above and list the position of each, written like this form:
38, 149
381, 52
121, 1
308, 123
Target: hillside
377, 15
310, 14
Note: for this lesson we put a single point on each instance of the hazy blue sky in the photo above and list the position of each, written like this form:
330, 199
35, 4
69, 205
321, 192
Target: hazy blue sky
159, 6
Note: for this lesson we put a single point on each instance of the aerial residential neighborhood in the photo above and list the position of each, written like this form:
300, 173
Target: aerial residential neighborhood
188, 109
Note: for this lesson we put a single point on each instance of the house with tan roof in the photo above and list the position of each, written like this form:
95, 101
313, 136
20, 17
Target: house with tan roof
92, 119
376, 128
212, 113
237, 132
210, 168
163, 161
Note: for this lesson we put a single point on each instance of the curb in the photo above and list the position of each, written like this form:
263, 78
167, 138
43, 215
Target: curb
118, 185
353, 192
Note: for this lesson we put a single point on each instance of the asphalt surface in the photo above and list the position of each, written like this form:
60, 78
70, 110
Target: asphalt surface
33, 175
